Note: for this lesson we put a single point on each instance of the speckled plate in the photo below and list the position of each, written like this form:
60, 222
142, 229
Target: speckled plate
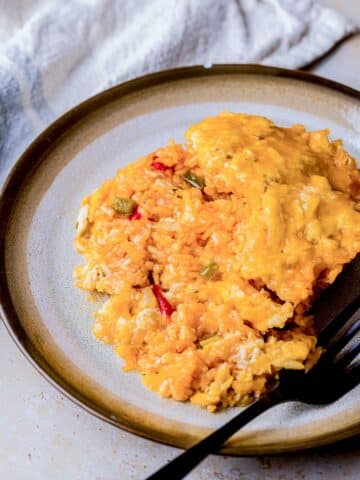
51, 321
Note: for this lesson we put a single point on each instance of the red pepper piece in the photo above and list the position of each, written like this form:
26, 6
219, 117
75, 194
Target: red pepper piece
166, 309
136, 215
159, 165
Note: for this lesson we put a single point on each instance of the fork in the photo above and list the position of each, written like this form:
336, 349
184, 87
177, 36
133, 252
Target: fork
335, 374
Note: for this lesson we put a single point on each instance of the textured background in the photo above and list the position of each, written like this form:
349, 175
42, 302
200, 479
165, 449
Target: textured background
43, 435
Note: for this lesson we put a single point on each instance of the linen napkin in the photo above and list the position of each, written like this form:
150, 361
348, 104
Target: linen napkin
64, 52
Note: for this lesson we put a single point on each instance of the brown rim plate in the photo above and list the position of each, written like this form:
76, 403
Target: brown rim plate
50, 320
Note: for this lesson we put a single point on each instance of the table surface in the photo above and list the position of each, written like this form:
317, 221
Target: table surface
44, 435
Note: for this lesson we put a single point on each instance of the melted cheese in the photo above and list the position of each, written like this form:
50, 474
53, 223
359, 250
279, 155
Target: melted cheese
279, 217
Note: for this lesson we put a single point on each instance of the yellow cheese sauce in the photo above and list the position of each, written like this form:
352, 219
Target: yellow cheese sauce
211, 254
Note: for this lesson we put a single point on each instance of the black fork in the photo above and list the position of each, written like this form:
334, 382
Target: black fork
334, 375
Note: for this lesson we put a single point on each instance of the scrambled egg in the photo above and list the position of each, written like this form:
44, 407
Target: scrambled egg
211, 255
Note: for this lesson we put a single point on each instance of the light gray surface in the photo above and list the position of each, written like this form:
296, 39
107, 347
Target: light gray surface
43, 435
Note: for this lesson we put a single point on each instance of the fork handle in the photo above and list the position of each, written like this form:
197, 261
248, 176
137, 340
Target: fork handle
186, 461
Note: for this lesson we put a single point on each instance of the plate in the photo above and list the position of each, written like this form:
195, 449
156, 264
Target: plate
51, 321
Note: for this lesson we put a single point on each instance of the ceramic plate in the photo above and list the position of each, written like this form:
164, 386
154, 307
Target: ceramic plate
51, 321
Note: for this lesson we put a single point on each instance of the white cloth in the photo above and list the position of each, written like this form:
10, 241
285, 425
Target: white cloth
65, 51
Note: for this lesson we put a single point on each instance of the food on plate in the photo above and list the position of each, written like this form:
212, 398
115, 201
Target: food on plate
211, 254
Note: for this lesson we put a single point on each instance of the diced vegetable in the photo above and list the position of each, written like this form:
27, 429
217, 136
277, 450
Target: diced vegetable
209, 271
194, 180
160, 166
125, 206
166, 309
210, 339
136, 215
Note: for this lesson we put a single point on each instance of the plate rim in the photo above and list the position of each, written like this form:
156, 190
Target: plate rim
24, 166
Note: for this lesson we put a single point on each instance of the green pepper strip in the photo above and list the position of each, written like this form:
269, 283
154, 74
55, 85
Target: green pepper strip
209, 271
210, 339
125, 206
194, 180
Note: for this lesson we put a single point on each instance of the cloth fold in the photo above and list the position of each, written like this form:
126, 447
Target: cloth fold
67, 51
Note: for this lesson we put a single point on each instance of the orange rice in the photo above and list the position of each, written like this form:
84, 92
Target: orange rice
225, 243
